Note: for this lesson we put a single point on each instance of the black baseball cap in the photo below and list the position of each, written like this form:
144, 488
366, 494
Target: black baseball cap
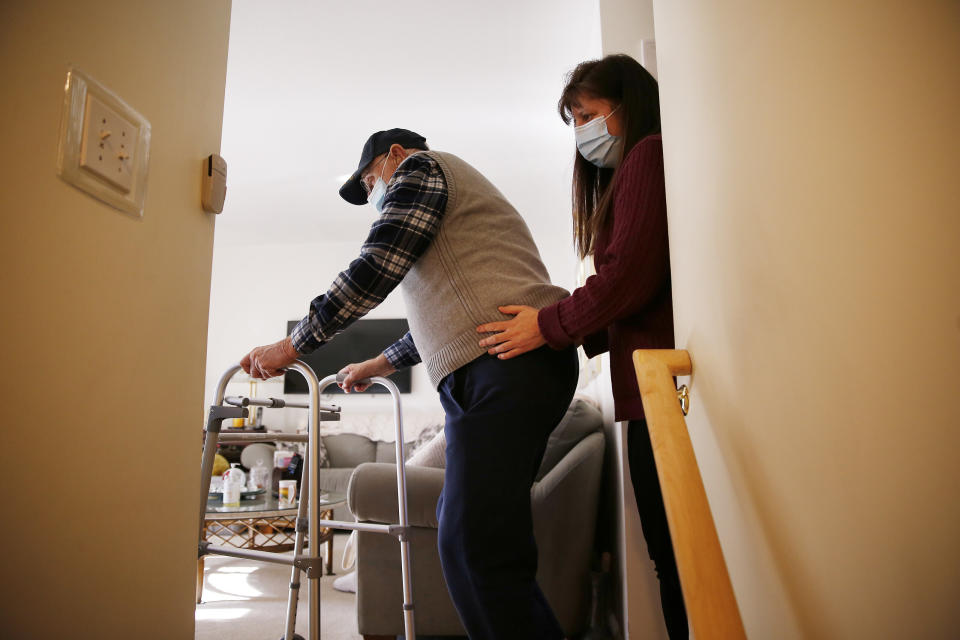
380, 142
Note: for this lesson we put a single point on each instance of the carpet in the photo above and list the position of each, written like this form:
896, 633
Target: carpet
247, 600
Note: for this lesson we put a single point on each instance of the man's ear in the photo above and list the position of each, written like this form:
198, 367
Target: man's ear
396, 151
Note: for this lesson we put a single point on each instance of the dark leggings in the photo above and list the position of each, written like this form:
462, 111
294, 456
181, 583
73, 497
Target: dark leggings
653, 519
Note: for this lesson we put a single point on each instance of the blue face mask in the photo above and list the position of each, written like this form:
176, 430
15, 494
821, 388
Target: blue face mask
377, 194
379, 191
596, 144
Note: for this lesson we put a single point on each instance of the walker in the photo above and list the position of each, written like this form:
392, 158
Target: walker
308, 521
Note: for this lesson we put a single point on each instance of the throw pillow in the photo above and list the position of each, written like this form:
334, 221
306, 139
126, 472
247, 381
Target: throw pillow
432, 453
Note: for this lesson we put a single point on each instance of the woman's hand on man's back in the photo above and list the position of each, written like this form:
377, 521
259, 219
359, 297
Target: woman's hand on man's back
513, 337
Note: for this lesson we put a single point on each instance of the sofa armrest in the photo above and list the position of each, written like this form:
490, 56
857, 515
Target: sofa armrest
565, 507
372, 494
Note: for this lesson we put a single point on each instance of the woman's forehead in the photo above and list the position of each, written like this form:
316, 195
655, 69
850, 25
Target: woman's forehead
575, 101
583, 100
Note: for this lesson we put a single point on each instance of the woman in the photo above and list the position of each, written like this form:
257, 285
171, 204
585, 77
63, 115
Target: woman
620, 218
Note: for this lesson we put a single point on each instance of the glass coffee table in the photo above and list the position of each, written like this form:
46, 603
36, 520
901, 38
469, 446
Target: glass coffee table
259, 523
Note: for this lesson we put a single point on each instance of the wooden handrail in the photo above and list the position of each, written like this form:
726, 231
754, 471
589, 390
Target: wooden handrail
707, 592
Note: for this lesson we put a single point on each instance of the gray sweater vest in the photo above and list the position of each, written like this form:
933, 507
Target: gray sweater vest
482, 257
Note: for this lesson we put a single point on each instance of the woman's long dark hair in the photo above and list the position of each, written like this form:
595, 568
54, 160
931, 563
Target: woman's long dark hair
624, 82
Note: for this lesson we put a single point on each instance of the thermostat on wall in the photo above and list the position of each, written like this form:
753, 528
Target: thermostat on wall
214, 183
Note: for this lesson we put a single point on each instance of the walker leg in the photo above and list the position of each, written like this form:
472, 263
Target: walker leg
215, 420
408, 619
206, 469
408, 623
294, 595
311, 480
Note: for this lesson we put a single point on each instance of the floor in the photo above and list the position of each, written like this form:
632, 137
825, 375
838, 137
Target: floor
247, 600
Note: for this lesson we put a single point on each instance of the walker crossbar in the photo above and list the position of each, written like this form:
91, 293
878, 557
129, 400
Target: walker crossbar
275, 403
313, 566
248, 437
308, 509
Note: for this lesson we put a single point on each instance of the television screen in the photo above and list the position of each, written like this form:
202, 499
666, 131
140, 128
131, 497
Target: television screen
361, 341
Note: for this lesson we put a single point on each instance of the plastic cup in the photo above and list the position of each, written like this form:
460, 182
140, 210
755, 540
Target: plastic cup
288, 493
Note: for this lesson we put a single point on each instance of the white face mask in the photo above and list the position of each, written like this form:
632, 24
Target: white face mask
379, 191
596, 144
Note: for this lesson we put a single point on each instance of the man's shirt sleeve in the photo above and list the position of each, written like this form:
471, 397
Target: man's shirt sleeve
402, 353
412, 211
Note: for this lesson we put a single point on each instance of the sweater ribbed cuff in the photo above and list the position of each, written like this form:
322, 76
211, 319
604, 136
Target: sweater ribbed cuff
548, 319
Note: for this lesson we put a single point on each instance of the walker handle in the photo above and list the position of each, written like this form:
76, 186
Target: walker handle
342, 376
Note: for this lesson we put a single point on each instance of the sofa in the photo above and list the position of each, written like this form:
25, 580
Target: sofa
345, 452
565, 498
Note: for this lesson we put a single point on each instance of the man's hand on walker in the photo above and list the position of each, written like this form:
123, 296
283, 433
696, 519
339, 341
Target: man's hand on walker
270, 360
515, 336
373, 367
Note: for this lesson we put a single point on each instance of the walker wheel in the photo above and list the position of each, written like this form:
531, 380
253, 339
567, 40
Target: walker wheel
296, 636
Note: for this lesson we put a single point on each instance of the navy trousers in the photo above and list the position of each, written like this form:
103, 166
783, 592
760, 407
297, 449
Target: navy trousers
499, 415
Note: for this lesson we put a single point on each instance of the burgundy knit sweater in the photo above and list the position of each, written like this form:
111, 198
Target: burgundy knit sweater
627, 305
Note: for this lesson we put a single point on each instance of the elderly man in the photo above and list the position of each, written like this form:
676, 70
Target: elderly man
459, 250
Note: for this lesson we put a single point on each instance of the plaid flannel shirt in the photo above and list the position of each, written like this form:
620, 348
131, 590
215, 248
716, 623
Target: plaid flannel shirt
412, 210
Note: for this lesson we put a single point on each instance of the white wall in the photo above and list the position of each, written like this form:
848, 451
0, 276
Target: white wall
624, 24
104, 325
811, 163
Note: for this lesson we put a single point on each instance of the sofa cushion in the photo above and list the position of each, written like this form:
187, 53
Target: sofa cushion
372, 494
335, 479
580, 420
349, 450
387, 451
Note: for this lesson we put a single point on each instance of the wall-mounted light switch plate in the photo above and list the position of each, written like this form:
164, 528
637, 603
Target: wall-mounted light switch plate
108, 144
104, 144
